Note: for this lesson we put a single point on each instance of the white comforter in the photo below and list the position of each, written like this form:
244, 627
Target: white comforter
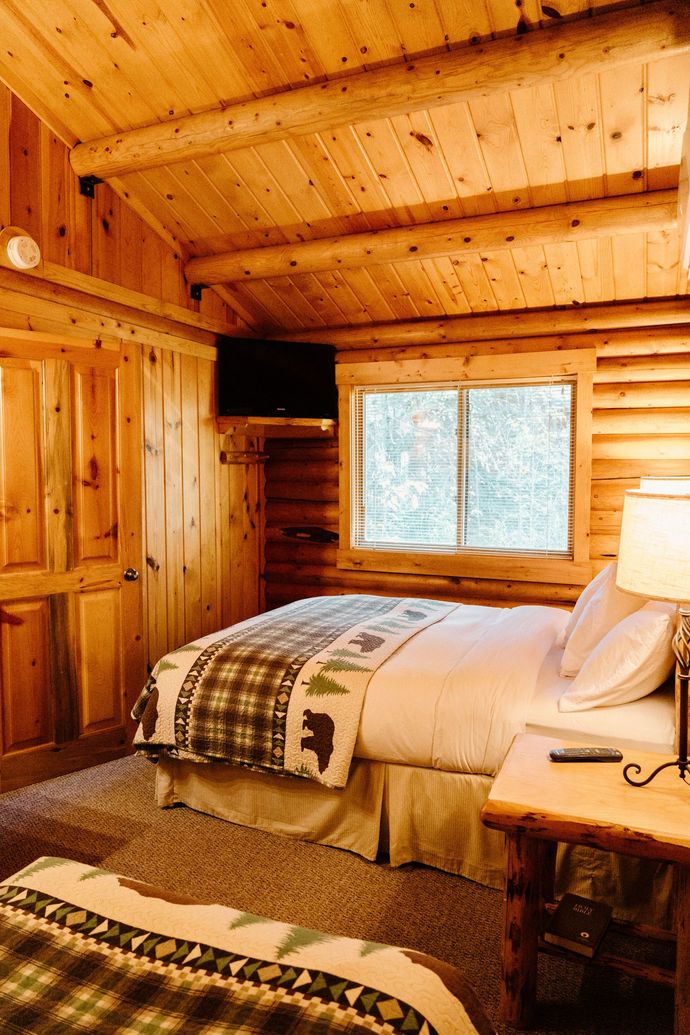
458, 691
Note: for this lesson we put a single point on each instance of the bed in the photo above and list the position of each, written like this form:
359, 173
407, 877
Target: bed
82, 949
434, 724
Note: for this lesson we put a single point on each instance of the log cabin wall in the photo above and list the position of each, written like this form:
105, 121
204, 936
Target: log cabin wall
640, 426
108, 289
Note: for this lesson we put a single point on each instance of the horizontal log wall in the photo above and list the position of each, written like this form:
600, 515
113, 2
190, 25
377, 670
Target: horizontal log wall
641, 426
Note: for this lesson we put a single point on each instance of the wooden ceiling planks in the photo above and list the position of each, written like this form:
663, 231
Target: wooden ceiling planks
457, 139
499, 144
90, 68
583, 47
596, 269
533, 271
623, 126
668, 90
538, 131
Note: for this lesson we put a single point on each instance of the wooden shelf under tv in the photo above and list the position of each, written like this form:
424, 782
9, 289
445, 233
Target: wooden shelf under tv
277, 427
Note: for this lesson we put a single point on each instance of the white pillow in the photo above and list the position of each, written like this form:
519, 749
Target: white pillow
606, 607
582, 600
633, 659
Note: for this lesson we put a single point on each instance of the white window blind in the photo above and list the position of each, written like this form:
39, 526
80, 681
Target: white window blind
457, 467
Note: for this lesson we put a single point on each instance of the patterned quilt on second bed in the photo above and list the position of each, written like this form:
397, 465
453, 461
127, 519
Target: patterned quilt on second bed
84, 950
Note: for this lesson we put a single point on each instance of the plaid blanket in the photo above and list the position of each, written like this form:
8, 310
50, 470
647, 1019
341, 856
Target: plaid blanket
281, 692
84, 950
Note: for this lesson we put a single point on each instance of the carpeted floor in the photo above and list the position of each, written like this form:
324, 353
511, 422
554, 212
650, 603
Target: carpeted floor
106, 816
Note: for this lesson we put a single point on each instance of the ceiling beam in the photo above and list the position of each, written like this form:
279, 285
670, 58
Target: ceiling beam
561, 50
521, 228
526, 323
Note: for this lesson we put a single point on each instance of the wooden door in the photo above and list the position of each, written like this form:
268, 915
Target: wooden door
72, 658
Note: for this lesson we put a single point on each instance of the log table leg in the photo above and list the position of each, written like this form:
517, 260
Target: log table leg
682, 988
537, 804
521, 930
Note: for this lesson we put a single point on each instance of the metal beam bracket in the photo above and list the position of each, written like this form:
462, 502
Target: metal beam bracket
87, 185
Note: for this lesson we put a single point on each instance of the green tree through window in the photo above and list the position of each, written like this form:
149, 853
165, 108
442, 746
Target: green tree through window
453, 467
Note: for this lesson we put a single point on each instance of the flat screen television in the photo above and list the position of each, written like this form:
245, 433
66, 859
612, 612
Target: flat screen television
259, 378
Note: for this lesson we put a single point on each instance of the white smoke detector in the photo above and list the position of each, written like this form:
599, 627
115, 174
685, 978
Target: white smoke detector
23, 252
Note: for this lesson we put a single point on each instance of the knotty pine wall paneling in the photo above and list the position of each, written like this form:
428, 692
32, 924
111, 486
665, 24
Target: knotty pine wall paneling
242, 524
100, 237
641, 426
110, 293
185, 552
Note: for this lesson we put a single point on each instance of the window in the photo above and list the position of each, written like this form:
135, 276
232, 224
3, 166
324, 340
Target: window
480, 476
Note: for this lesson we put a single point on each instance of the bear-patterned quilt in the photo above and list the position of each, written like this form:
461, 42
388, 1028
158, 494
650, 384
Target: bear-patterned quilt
85, 950
281, 692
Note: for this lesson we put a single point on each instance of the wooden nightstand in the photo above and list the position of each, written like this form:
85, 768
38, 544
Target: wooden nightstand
538, 803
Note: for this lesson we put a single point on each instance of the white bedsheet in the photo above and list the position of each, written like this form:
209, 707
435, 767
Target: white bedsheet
645, 725
459, 690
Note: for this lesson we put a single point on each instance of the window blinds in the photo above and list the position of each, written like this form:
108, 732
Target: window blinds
457, 467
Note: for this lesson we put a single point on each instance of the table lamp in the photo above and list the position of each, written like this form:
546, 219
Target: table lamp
654, 562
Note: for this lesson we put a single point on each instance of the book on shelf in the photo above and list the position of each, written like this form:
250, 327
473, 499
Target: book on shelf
578, 924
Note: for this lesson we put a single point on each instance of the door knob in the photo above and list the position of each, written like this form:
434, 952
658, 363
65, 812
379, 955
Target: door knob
131, 574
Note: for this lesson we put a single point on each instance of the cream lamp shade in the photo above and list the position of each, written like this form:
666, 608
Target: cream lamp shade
654, 550
654, 561
675, 485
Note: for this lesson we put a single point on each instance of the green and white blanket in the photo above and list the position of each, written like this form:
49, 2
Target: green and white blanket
282, 691
84, 950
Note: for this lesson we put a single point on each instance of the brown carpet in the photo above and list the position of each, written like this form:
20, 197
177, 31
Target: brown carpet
107, 816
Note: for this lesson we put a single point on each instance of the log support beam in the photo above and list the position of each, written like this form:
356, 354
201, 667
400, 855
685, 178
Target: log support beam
558, 52
523, 228
531, 323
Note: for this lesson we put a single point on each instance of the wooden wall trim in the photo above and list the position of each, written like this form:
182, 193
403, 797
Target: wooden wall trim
477, 368
53, 273
39, 304
69, 346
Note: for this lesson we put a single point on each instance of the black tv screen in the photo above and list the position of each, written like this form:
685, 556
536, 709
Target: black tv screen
276, 379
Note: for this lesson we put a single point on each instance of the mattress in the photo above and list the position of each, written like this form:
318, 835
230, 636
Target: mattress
644, 725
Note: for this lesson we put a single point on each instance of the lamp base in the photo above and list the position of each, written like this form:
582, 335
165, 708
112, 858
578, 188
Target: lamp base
683, 767
681, 648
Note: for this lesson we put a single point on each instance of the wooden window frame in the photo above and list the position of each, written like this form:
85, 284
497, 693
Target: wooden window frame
579, 363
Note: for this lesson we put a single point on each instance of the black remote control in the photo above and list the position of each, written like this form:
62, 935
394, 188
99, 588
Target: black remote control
588, 754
